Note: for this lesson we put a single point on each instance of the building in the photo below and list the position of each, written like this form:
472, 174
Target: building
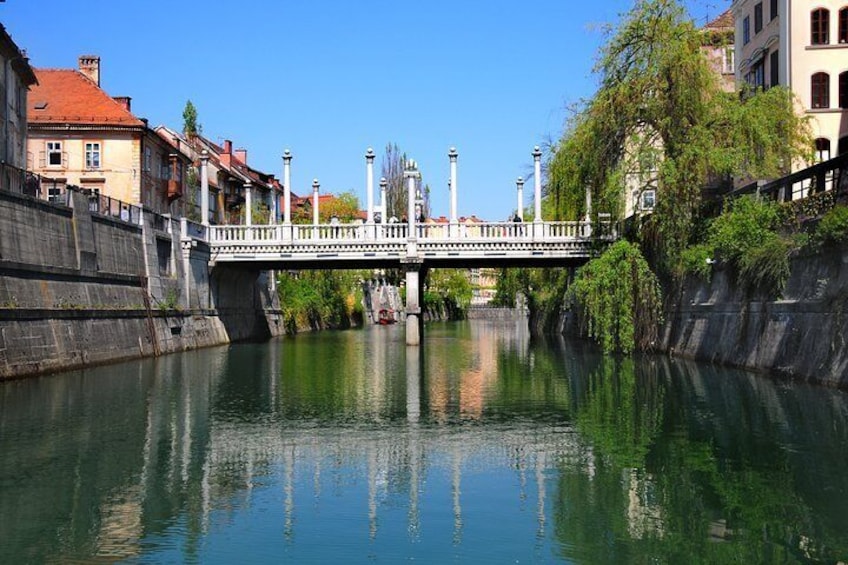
804, 47
229, 179
80, 135
718, 46
15, 80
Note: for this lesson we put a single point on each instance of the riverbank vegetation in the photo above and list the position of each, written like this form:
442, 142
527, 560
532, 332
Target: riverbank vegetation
320, 299
661, 121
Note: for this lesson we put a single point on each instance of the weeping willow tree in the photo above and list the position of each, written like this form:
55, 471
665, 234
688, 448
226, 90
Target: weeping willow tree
660, 119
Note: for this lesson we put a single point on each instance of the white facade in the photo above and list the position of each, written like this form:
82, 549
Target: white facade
804, 47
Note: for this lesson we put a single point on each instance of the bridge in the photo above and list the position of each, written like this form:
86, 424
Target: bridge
413, 246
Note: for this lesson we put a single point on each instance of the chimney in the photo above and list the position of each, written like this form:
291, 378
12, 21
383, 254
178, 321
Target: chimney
124, 101
241, 155
89, 65
228, 146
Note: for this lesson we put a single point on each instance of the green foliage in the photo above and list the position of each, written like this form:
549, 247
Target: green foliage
747, 223
190, 125
746, 236
319, 299
344, 206
833, 227
620, 298
696, 260
660, 120
766, 266
449, 289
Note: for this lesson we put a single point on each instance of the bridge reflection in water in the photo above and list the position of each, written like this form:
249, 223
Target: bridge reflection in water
479, 445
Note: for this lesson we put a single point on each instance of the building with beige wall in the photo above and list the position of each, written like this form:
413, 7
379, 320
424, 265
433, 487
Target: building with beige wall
804, 47
15, 80
79, 135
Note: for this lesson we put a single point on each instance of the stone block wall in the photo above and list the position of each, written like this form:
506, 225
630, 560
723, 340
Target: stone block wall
78, 289
801, 335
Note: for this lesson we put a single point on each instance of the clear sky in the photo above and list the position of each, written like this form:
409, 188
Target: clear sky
327, 79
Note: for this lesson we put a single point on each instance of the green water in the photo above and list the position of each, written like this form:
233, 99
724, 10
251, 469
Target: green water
482, 446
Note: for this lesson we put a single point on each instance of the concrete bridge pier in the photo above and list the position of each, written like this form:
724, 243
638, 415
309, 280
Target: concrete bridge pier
414, 297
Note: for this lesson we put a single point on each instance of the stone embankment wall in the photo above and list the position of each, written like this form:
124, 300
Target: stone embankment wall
78, 289
802, 335
496, 313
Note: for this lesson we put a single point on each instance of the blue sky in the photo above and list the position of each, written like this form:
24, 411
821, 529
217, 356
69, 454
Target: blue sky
327, 79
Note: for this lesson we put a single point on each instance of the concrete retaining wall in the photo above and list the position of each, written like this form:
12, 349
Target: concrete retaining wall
78, 289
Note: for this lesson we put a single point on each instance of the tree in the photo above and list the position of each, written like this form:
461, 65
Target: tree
190, 125
661, 119
393, 166
344, 206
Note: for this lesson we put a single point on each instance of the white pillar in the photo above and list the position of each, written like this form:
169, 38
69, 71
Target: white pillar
287, 157
315, 187
452, 154
204, 187
588, 204
411, 173
369, 185
413, 308
537, 177
248, 204
519, 184
384, 185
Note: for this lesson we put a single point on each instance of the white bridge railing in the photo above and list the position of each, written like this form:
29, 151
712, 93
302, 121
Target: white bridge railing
360, 233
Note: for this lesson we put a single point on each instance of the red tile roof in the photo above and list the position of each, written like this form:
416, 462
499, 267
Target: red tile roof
68, 96
722, 23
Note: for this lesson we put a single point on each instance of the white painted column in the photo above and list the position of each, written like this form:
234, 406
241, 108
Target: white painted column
411, 173
588, 218
537, 177
204, 187
275, 199
287, 157
315, 187
369, 186
384, 185
413, 308
452, 154
248, 204
519, 184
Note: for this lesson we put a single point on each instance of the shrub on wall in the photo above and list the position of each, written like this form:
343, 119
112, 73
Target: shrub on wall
833, 227
620, 298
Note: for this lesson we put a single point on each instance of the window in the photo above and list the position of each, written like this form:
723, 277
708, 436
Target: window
54, 153
147, 159
756, 77
820, 89
843, 146
820, 22
822, 149
649, 200
843, 90
729, 63
758, 17
165, 168
843, 25
773, 9
746, 30
774, 68
92, 155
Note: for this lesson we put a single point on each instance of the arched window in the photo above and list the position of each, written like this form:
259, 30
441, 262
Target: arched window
822, 149
820, 24
843, 90
820, 90
843, 25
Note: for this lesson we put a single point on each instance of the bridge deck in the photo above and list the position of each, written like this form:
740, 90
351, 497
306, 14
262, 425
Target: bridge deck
361, 245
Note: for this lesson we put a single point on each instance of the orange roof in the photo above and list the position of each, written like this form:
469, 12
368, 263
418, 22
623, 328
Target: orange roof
722, 23
68, 96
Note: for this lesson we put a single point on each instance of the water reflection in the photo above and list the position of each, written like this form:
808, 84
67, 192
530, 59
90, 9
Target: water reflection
479, 445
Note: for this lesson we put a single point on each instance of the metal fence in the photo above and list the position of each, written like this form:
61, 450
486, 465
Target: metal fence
831, 175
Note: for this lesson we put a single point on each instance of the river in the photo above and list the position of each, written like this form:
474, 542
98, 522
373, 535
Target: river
483, 445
